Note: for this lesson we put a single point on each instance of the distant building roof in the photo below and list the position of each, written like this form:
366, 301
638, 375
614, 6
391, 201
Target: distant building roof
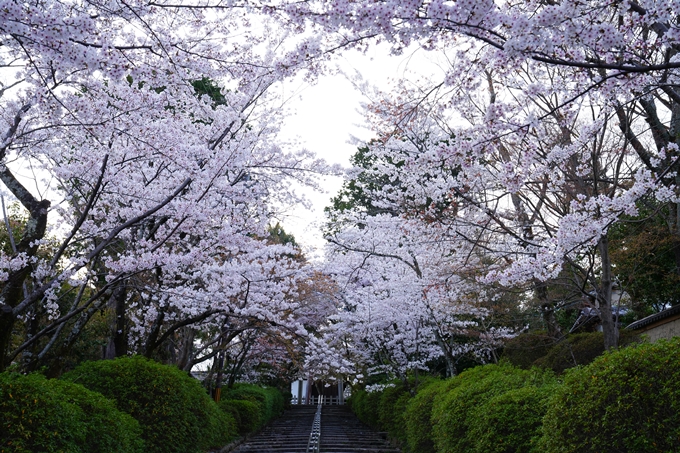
654, 318
586, 315
591, 314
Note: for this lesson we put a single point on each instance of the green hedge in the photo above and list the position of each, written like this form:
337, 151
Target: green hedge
233, 412
524, 349
366, 405
269, 401
383, 410
418, 413
278, 400
492, 408
41, 415
246, 413
580, 349
173, 409
625, 401
510, 422
453, 415
391, 407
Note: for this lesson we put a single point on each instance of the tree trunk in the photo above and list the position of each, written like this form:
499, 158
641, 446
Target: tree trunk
118, 341
674, 132
218, 378
7, 319
151, 343
547, 311
12, 292
609, 328
448, 357
186, 353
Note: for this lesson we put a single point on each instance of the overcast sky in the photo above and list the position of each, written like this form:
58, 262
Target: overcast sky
327, 116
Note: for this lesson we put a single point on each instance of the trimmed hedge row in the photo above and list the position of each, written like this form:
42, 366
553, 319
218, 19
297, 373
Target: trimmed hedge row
383, 410
512, 421
173, 409
261, 405
419, 411
246, 414
366, 405
534, 349
625, 401
456, 414
41, 415
126, 405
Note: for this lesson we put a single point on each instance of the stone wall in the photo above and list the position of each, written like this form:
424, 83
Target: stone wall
668, 330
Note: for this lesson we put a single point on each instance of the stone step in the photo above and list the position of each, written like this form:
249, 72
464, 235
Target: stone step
341, 432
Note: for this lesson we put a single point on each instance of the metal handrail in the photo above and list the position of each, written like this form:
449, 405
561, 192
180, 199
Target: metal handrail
314, 442
332, 400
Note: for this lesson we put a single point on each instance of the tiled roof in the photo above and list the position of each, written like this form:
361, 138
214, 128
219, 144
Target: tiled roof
654, 318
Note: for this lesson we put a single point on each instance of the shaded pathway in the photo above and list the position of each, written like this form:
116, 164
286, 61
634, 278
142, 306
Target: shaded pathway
341, 432
287, 434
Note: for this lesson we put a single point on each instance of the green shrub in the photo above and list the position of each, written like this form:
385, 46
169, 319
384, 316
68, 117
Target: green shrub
174, 411
247, 392
418, 412
233, 412
510, 422
246, 413
391, 406
49, 415
287, 397
451, 415
274, 403
269, 400
278, 400
365, 405
221, 425
580, 349
625, 401
523, 350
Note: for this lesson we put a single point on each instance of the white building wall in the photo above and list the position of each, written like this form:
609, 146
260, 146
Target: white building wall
295, 388
668, 331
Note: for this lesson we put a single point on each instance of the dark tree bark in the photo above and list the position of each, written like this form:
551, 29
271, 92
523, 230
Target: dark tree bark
609, 328
11, 294
118, 341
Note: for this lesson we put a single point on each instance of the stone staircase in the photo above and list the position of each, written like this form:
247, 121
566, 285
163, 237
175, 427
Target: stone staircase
341, 432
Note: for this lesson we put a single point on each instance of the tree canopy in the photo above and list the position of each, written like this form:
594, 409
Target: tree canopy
538, 172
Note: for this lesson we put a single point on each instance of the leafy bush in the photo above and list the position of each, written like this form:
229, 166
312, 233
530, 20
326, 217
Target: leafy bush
269, 400
221, 426
523, 350
453, 415
418, 412
287, 396
580, 349
365, 405
49, 415
391, 407
246, 413
510, 422
174, 411
233, 412
247, 392
278, 400
625, 401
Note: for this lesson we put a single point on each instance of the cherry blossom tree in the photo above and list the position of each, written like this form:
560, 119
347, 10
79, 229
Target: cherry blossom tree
271, 348
152, 128
552, 121
404, 306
